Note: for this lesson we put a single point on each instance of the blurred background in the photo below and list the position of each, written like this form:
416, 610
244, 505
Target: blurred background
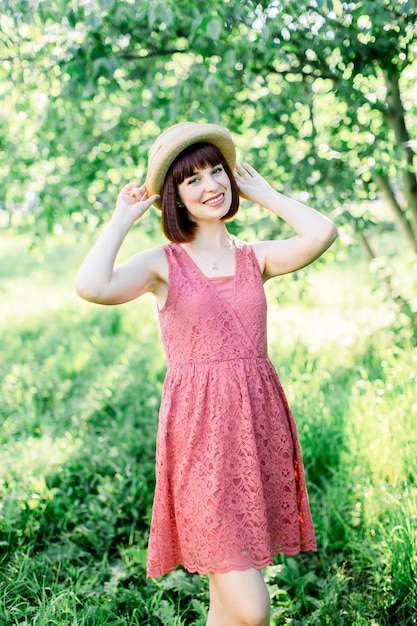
321, 97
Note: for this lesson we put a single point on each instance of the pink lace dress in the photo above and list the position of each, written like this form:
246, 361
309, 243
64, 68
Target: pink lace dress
230, 488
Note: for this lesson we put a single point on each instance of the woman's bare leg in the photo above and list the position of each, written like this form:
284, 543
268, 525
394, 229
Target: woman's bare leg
238, 599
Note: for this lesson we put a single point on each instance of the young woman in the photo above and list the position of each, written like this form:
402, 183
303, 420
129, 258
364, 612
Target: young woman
230, 489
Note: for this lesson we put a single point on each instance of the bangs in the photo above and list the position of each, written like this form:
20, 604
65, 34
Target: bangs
195, 157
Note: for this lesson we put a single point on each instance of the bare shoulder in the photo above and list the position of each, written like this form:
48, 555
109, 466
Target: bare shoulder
260, 249
275, 257
158, 262
161, 262
155, 260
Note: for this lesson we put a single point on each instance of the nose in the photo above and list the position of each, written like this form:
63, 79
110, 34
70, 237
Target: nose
209, 183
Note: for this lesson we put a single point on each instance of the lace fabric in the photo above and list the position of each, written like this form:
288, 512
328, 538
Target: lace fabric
230, 488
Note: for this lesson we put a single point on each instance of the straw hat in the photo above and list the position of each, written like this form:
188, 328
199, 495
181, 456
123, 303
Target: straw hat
176, 139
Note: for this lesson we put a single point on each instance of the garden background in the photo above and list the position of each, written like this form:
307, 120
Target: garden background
321, 98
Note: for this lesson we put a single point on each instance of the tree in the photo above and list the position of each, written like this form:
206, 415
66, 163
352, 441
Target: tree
318, 94
362, 52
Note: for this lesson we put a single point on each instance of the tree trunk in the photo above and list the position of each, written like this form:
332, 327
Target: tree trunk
396, 119
366, 244
401, 219
384, 274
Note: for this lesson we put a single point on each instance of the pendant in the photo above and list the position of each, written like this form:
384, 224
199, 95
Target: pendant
215, 267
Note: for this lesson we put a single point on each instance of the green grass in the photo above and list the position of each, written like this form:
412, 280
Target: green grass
79, 397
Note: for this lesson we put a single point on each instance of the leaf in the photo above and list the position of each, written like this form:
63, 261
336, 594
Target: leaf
338, 8
108, 5
93, 21
165, 612
210, 82
196, 23
229, 59
168, 17
214, 29
182, 581
152, 11
104, 67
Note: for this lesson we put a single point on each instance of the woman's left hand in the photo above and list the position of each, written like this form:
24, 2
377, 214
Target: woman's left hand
252, 186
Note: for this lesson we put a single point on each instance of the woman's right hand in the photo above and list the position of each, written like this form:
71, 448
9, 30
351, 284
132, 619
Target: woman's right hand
133, 201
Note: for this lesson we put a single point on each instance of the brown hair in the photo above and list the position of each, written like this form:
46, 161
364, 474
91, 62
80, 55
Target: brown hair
176, 223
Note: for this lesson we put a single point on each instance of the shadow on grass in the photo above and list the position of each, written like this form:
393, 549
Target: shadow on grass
81, 401
353, 579
74, 527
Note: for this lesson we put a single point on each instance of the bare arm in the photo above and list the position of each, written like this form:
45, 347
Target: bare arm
97, 279
314, 232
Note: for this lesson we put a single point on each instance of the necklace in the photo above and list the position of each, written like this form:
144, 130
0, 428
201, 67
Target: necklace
215, 264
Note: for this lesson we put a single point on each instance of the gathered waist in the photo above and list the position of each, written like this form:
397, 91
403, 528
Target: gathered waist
215, 362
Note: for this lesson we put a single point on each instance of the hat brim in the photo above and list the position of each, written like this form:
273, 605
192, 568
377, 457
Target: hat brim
173, 141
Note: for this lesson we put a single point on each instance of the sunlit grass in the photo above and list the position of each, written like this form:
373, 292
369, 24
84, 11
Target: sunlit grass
79, 397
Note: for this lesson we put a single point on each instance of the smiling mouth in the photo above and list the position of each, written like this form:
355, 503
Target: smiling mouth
215, 200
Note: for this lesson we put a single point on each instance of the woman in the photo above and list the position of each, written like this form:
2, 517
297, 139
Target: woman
230, 488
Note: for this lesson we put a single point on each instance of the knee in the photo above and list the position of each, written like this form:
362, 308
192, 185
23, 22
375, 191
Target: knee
255, 615
253, 611
240, 598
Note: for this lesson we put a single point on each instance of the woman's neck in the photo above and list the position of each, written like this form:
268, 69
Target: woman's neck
213, 251
210, 238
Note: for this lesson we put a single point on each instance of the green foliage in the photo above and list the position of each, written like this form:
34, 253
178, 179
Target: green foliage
306, 87
79, 396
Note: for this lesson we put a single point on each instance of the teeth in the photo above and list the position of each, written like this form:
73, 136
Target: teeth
214, 200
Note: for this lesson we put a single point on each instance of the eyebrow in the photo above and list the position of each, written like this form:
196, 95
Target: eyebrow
204, 167
193, 173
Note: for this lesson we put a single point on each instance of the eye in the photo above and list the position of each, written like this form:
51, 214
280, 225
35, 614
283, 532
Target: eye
191, 181
217, 169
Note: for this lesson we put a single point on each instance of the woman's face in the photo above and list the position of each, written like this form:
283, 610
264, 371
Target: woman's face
206, 194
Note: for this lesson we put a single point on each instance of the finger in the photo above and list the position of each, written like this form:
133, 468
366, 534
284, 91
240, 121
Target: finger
239, 168
133, 187
239, 178
250, 169
144, 198
136, 192
245, 172
149, 201
130, 185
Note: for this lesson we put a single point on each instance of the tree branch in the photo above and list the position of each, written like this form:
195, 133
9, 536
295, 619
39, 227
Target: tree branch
396, 119
401, 219
154, 53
